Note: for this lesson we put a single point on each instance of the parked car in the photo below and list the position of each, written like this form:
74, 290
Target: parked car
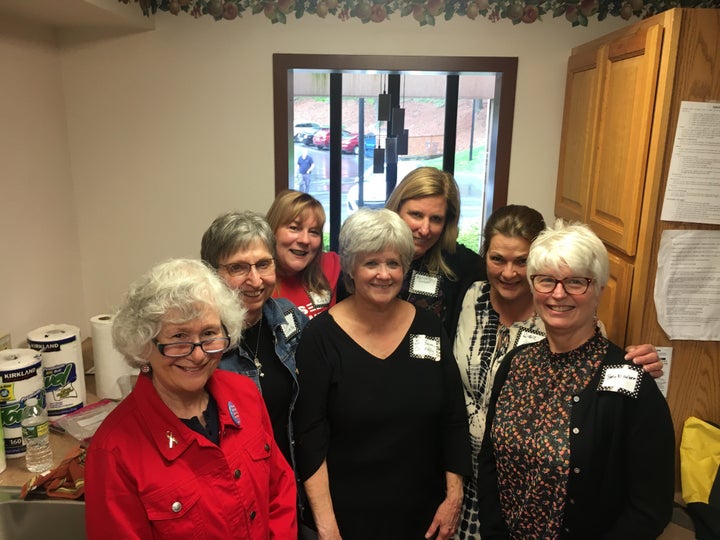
375, 187
350, 143
304, 132
321, 139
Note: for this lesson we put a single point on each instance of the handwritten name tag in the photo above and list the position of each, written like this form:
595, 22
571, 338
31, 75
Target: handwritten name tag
526, 335
623, 379
289, 327
425, 284
320, 299
427, 347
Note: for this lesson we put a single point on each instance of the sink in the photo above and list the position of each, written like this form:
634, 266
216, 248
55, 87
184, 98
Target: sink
55, 519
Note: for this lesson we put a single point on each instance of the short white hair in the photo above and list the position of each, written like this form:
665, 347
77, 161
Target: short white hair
573, 245
370, 231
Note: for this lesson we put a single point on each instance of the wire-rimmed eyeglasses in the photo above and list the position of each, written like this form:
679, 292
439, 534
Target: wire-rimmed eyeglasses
240, 269
573, 285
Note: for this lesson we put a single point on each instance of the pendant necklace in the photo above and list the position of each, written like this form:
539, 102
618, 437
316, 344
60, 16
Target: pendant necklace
254, 355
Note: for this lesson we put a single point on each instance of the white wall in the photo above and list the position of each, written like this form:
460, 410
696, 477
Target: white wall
40, 275
169, 128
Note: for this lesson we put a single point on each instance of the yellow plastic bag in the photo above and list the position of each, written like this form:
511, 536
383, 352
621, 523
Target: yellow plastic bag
699, 459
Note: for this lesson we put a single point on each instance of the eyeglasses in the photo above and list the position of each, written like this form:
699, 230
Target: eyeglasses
573, 285
185, 348
240, 269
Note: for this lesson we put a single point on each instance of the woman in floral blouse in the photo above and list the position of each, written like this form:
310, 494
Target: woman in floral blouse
498, 315
580, 443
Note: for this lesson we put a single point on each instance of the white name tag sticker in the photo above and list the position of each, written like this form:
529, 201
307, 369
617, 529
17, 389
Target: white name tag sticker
624, 379
526, 335
320, 299
289, 327
425, 284
427, 347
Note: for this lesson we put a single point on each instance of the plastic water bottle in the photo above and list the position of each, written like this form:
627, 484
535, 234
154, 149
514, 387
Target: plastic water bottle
36, 432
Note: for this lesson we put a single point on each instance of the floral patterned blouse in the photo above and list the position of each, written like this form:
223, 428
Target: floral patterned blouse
531, 434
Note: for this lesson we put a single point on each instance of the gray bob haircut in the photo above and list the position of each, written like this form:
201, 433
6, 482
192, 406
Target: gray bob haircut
175, 291
370, 231
573, 245
232, 232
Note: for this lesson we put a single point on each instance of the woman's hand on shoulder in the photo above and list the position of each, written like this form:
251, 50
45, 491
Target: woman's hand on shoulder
647, 357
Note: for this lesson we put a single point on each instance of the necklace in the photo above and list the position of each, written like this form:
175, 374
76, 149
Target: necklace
254, 355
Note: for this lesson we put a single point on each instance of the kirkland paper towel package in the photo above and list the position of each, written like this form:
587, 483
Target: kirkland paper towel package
110, 365
62, 367
21, 378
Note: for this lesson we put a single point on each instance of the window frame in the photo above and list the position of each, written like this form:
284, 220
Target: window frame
505, 68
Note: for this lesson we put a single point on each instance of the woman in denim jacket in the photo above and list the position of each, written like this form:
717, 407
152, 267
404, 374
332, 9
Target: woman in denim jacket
241, 247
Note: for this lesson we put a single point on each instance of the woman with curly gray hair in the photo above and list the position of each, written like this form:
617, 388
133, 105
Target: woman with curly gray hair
190, 452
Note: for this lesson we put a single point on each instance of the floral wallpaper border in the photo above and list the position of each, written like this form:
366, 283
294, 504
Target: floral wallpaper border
425, 12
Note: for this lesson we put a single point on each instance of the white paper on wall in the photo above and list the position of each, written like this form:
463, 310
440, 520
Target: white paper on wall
693, 187
687, 284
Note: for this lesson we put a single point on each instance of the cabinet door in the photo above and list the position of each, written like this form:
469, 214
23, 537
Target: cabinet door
615, 300
627, 99
579, 124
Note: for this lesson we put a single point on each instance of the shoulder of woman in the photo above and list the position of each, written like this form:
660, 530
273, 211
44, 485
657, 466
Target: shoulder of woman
462, 254
320, 321
427, 319
330, 261
228, 379
615, 354
475, 290
282, 309
280, 305
464, 262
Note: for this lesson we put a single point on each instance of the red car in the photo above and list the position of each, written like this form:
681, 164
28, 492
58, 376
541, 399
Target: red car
321, 139
349, 143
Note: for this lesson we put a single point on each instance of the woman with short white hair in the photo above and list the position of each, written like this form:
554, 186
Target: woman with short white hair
380, 421
580, 443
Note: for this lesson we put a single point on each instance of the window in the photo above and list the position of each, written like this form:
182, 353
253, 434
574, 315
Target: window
457, 113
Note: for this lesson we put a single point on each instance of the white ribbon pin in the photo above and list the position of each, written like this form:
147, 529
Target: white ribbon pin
171, 439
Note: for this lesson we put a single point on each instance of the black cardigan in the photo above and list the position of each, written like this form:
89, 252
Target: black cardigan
621, 483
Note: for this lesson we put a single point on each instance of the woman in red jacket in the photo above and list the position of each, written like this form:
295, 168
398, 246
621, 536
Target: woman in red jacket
190, 452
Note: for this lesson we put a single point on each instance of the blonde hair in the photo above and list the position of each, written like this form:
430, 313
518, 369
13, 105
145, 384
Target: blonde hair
430, 182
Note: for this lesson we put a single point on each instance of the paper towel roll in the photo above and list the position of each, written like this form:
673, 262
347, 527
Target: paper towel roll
3, 463
21, 378
110, 365
62, 365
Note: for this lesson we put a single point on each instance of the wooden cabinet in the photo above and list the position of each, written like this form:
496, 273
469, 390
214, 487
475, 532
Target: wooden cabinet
623, 95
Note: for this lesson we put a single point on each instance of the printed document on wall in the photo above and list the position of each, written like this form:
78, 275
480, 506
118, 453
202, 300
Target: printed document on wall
693, 186
687, 284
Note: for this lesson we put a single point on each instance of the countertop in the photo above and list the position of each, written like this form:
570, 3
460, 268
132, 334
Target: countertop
16, 474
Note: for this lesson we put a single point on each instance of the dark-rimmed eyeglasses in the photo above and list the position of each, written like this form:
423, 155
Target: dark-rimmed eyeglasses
240, 269
573, 285
185, 348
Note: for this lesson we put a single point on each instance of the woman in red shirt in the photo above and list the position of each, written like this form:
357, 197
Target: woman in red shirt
190, 452
306, 275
